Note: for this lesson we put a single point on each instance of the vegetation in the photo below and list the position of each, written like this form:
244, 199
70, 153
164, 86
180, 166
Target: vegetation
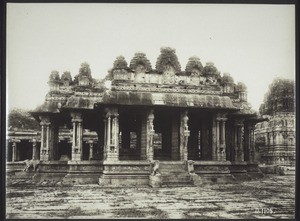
167, 57
279, 98
140, 59
194, 62
120, 63
21, 119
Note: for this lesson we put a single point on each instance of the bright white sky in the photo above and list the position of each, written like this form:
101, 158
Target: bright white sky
254, 43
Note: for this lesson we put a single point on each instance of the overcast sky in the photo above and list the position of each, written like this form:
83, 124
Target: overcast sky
254, 43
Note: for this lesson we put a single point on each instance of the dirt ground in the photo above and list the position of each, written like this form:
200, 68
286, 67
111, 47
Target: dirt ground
270, 197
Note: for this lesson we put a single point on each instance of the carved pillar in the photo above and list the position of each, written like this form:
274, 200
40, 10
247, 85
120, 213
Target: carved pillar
77, 136
251, 143
112, 135
184, 135
91, 145
238, 144
105, 139
14, 152
150, 133
214, 138
34, 149
45, 139
219, 139
222, 149
49, 139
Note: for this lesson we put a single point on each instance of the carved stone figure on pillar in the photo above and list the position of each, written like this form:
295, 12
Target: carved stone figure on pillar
221, 133
112, 134
184, 135
150, 135
238, 144
77, 136
45, 138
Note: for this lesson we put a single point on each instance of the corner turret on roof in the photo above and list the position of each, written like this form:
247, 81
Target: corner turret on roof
167, 57
140, 58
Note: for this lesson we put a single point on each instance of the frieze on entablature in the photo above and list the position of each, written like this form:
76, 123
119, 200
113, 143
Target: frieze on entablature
14, 140
235, 100
88, 94
56, 98
20, 138
165, 90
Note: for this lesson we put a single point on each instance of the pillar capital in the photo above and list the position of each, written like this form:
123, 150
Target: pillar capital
150, 115
111, 112
221, 117
76, 117
238, 122
45, 120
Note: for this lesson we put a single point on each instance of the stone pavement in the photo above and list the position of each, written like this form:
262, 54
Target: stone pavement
270, 197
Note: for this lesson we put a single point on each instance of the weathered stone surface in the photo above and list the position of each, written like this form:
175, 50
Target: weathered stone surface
271, 197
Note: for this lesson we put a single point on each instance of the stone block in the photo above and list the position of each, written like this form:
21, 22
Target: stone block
285, 170
116, 180
155, 181
217, 178
196, 179
80, 178
48, 179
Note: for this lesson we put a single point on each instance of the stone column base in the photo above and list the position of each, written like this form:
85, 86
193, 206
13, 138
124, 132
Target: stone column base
155, 180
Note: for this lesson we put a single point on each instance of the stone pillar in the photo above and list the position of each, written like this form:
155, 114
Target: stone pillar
34, 149
105, 139
46, 141
251, 128
214, 138
91, 145
184, 135
222, 149
14, 152
238, 144
150, 134
175, 138
112, 135
217, 138
77, 136
219, 143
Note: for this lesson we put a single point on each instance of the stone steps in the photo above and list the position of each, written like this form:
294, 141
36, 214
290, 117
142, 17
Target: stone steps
174, 174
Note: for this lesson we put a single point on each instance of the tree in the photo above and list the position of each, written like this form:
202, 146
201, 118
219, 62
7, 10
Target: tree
21, 119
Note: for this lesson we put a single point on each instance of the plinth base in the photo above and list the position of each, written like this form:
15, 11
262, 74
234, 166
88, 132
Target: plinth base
155, 180
123, 180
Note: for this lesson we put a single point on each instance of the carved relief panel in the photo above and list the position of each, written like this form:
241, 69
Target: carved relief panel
122, 75
140, 75
195, 77
169, 75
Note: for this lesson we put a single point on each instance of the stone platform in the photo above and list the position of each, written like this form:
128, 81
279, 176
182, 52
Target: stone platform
241, 200
133, 173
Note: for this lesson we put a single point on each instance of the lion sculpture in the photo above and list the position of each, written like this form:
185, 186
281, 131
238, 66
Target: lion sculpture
155, 168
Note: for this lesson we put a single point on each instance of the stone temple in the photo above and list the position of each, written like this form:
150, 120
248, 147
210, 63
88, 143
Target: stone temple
275, 138
143, 126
